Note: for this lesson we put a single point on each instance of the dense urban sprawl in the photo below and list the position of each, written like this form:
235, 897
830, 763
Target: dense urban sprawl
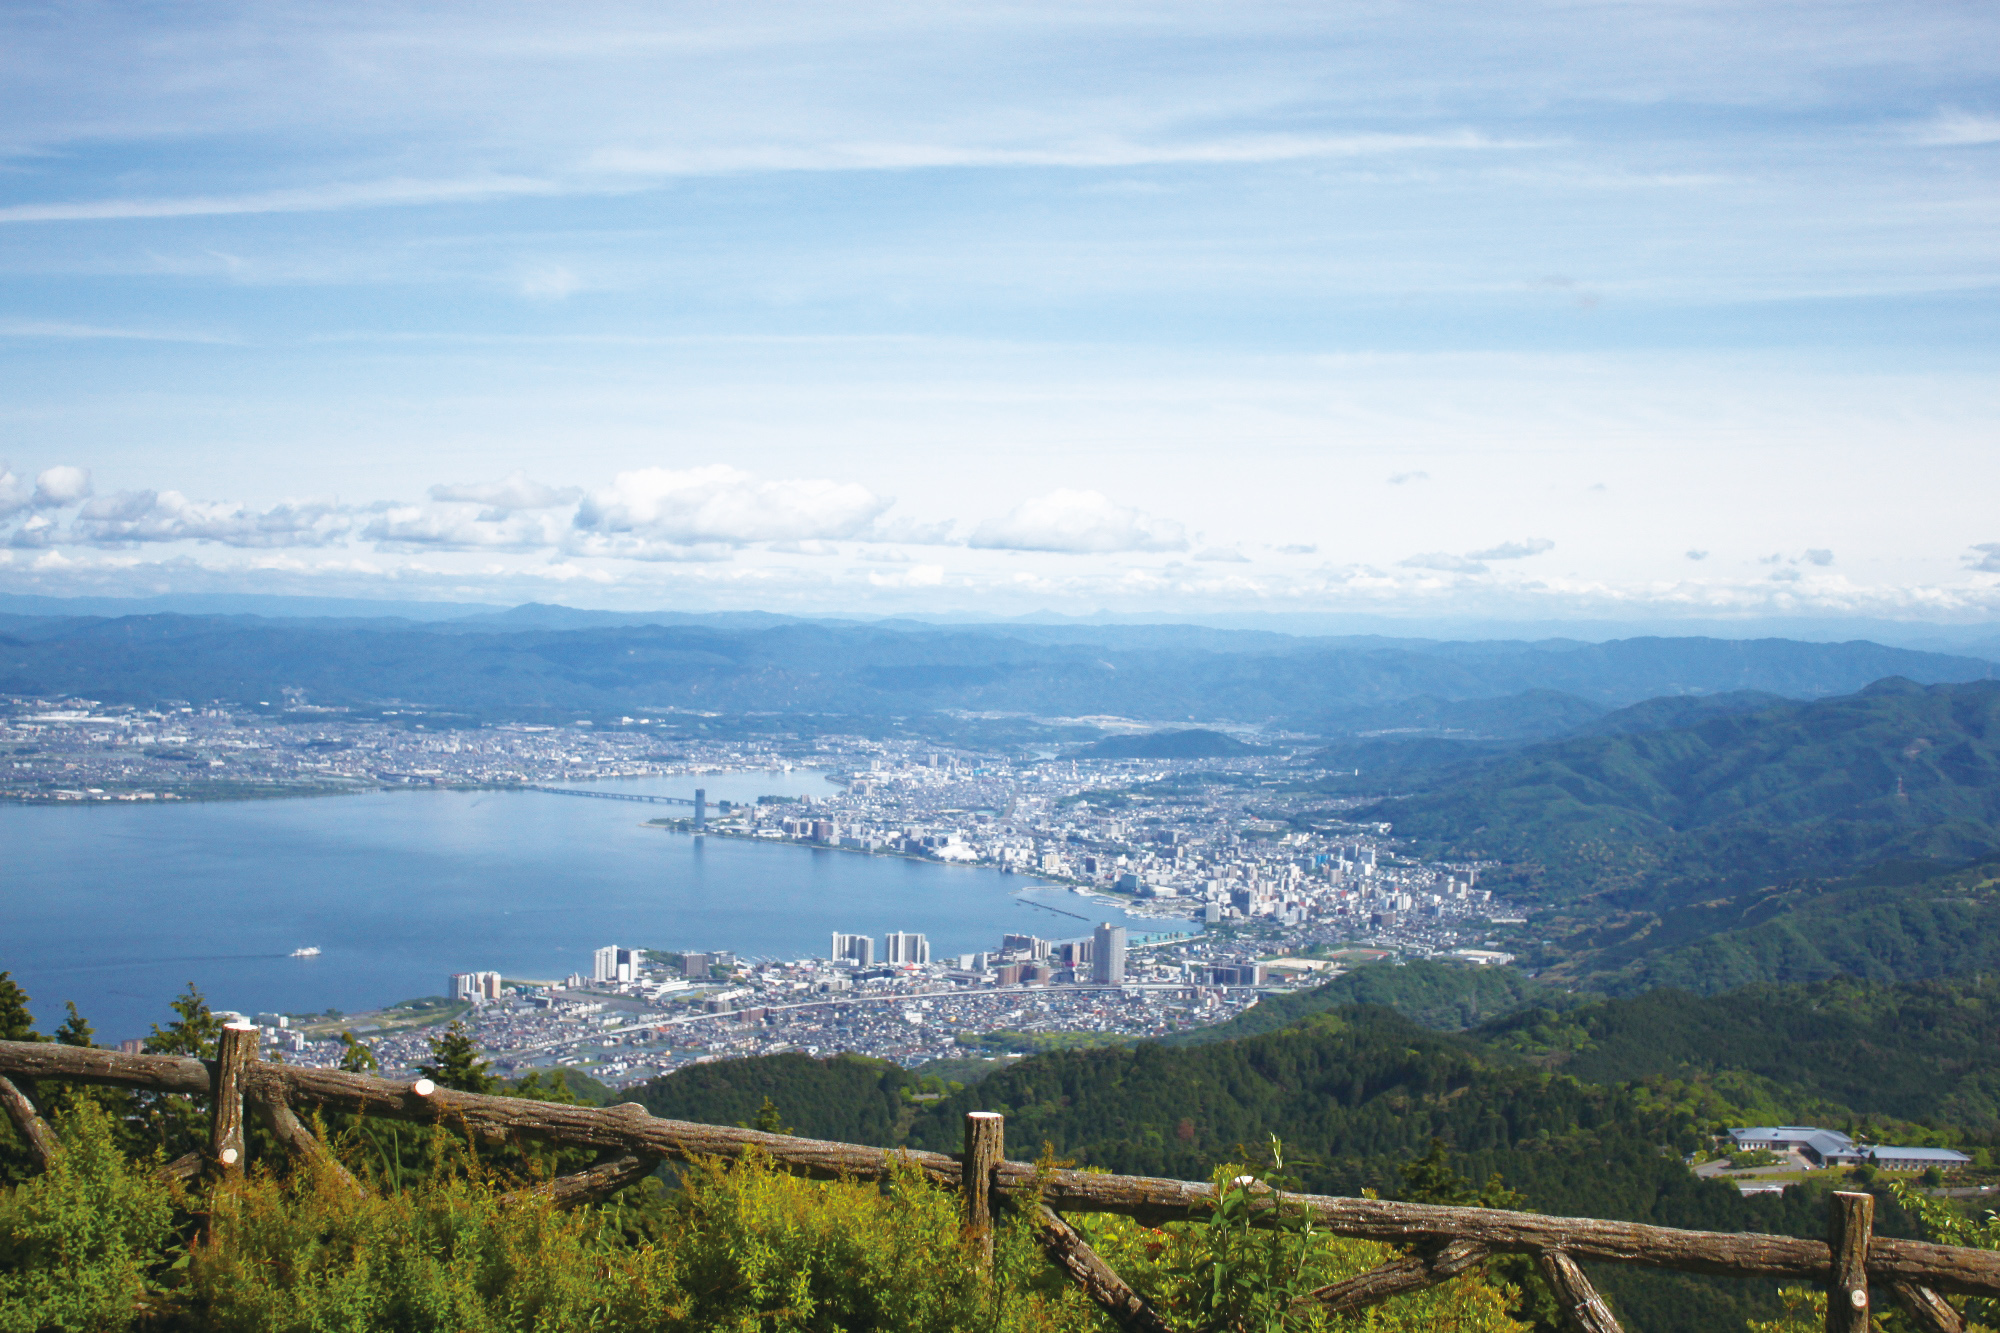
1257, 880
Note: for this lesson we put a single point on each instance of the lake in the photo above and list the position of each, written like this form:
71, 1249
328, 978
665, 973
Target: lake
118, 906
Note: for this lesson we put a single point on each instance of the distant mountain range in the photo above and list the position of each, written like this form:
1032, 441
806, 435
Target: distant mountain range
511, 664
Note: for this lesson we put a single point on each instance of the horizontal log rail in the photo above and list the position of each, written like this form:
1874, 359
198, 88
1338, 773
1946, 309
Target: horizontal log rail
1444, 1241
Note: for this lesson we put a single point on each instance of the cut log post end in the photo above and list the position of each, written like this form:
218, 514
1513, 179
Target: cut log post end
423, 1087
985, 1149
1850, 1221
235, 1052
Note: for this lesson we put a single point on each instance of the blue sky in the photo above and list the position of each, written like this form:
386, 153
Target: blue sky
1629, 310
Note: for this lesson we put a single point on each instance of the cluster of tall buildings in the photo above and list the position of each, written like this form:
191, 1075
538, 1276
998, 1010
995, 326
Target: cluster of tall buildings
898, 947
477, 987
614, 964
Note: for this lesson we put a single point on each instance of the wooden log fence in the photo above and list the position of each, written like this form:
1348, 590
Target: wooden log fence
1441, 1242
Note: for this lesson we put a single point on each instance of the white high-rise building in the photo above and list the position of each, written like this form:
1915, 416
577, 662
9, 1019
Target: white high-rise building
1107, 955
478, 987
856, 949
907, 948
604, 965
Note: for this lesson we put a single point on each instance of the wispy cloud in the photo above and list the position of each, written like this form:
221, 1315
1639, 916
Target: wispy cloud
1520, 550
1078, 523
1958, 129
309, 199
42, 328
1088, 152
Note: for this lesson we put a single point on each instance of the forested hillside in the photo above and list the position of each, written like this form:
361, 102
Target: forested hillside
1659, 818
1585, 1109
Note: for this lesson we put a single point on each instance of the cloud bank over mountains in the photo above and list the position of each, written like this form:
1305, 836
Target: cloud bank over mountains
733, 538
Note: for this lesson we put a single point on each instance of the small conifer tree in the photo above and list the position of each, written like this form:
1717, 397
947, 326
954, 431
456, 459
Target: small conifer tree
455, 1062
16, 1023
355, 1057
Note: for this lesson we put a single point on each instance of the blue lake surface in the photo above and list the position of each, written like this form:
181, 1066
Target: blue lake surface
118, 906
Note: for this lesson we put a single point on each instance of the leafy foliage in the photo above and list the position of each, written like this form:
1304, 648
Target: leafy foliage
77, 1242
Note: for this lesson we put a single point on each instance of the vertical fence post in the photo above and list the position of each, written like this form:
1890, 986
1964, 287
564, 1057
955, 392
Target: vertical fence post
233, 1053
1850, 1218
985, 1148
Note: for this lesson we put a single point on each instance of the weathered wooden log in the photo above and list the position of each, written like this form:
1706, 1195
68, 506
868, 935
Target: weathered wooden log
288, 1129
1427, 1267
1071, 1253
1581, 1305
985, 1149
28, 1123
185, 1167
115, 1069
1942, 1268
235, 1052
591, 1185
1850, 1224
1926, 1309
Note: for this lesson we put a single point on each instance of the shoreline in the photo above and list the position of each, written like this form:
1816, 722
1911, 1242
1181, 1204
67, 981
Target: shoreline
1044, 880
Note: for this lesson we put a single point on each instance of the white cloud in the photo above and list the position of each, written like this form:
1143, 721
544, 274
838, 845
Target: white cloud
1819, 557
1697, 555
459, 527
1298, 548
1443, 562
511, 492
38, 532
1988, 559
1078, 523
60, 487
1093, 151
54, 488
1520, 550
1223, 555
169, 516
1958, 129
312, 199
722, 505
43, 328
15, 493
1405, 478
551, 282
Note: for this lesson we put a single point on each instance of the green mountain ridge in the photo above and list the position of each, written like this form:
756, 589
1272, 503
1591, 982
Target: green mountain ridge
1658, 818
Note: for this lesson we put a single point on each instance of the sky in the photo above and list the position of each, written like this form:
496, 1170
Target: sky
1629, 310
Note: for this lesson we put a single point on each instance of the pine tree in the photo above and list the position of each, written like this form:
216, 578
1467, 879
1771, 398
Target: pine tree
355, 1057
16, 1023
194, 1030
456, 1063
76, 1030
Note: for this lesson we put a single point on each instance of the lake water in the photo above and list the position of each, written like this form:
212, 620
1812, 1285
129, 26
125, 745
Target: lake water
118, 906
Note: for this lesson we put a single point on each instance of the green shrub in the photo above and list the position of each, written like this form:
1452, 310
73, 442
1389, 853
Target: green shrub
78, 1240
93, 1245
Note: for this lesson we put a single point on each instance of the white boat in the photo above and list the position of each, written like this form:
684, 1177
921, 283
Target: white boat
310, 951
